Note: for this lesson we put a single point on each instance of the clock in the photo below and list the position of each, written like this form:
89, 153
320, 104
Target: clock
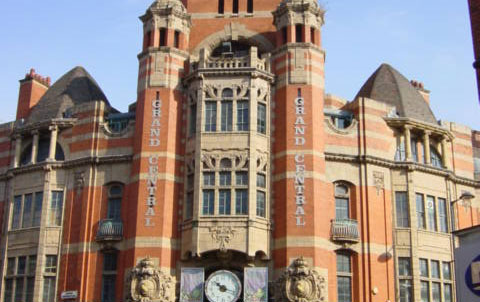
223, 286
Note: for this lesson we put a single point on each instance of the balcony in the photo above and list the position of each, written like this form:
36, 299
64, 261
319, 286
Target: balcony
345, 230
109, 230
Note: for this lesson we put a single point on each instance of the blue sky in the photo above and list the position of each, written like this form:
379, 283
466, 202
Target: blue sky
427, 40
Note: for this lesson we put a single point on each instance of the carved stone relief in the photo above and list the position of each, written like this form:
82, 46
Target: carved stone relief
379, 181
146, 283
222, 236
300, 283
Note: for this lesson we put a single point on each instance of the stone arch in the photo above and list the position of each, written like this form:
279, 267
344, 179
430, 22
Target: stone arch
236, 32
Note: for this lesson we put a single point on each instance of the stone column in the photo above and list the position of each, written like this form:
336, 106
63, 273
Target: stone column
53, 143
408, 144
35, 146
426, 147
18, 150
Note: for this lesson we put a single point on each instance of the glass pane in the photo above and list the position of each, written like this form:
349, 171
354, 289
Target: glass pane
17, 206
30, 289
38, 209
420, 211
341, 190
108, 288
432, 213
435, 268
56, 208
341, 208
447, 273
403, 219
32, 264
115, 190
8, 290
114, 208
241, 178
49, 289
209, 179
11, 266
423, 267
261, 204
19, 283
344, 289
406, 291
21, 265
224, 202
242, 116
241, 202
425, 292
51, 264
447, 292
225, 178
436, 292
208, 202
109, 262
193, 120
210, 116
227, 116
442, 215
261, 181
343, 263
262, 119
27, 211
404, 268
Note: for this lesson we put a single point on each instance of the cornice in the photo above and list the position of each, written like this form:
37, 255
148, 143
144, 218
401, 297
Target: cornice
416, 124
44, 125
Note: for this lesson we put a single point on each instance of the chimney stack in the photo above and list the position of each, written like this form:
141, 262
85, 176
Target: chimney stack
421, 89
32, 88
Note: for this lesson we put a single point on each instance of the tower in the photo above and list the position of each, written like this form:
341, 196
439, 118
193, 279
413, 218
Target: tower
300, 212
158, 150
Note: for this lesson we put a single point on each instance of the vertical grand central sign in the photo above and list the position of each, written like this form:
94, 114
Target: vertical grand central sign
300, 168
152, 177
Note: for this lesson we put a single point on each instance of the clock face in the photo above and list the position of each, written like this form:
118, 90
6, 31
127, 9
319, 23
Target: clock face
223, 286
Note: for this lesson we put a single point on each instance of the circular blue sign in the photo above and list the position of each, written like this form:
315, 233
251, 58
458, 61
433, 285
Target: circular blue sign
474, 287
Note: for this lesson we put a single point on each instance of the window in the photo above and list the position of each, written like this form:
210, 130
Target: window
224, 202
19, 281
227, 116
148, 39
176, 39
400, 154
406, 290
436, 292
225, 179
241, 202
432, 213
115, 193
221, 6
262, 118
342, 207
235, 7
447, 273
189, 206
193, 120
403, 218
423, 268
109, 277
51, 264
442, 215
425, 291
37, 213
404, 267
435, 157
421, 212
242, 116
208, 202
261, 204
312, 36
241, 178
261, 180
284, 35
250, 6
56, 209
27, 211
48, 289
17, 208
210, 116
209, 179
435, 269
344, 277
298, 33
163, 37
413, 147
447, 293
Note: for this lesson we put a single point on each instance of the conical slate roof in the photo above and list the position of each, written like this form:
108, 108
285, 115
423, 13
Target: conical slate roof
389, 86
74, 88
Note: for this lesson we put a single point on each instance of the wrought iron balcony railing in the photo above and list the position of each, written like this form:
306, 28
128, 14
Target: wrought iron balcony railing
345, 230
110, 230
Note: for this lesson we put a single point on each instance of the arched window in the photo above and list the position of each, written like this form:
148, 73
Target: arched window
115, 193
225, 163
227, 93
344, 276
342, 202
250, 6
435, 157
42, 152
221, 6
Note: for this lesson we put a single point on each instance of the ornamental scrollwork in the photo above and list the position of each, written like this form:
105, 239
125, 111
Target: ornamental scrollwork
146, 283
300, 283
223, 236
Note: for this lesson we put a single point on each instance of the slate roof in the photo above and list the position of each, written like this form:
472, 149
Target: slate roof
389, 86
74, 88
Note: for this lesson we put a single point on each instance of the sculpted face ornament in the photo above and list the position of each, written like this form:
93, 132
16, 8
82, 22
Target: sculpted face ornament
148, 284
300, 283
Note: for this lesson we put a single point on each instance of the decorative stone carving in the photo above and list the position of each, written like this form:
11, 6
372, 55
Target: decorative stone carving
262, 162
379, 181
223, 236
300, 283
79, 180
148, 284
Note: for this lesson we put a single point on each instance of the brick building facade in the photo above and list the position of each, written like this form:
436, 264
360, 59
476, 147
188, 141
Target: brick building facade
233, 158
